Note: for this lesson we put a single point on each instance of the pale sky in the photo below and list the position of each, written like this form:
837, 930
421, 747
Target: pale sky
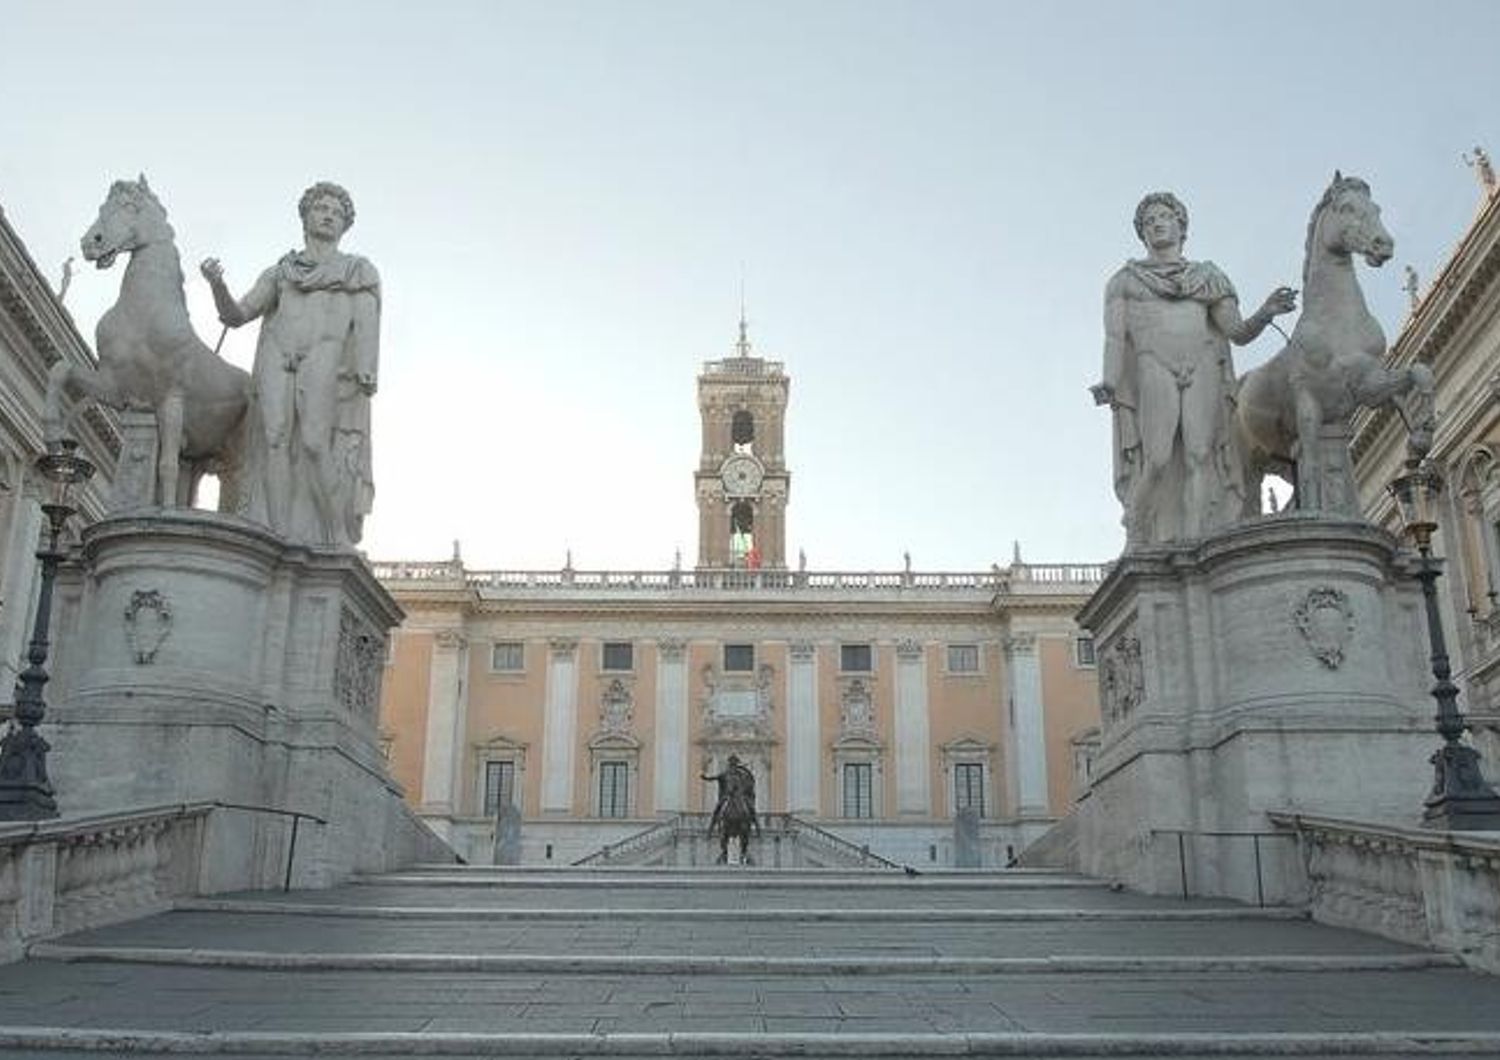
925, 200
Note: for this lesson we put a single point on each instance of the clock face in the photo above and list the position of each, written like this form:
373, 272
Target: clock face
741, 475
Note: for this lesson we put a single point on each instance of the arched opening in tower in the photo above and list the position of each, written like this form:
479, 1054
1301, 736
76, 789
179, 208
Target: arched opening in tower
742, 430
742, 550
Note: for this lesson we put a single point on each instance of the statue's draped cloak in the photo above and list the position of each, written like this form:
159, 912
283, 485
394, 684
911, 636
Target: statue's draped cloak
1205, 283
351, 453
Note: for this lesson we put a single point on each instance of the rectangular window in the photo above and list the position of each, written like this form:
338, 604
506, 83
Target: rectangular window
963, 658
739, 658
968, 786
1083, 650
508, 656
856, 658
858, 781
614, 789
619, 655
499, 786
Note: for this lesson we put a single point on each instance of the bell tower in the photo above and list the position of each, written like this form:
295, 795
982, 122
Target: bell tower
742, 482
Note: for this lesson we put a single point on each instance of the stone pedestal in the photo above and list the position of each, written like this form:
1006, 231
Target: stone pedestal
1276, 666
201, 657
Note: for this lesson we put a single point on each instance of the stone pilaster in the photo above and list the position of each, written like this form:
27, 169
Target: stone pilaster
913, 768
803, 736
671, 726
447, 701
1028, 733
560, 727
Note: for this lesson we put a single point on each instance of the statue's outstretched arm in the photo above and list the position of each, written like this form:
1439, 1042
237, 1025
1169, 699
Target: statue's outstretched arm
1226, 315
231, 313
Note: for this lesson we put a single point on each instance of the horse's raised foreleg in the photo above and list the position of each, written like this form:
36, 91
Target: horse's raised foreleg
169, 449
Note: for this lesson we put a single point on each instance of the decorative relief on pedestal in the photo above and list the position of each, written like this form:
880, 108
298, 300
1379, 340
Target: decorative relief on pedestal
357, 667
671, 649
1122, 679
563, 647
616, 709
148, 621
802, 649
1325, 618
908, 648
857, 710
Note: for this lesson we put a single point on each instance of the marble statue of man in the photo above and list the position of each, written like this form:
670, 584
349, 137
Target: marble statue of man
308, 444
1169, 379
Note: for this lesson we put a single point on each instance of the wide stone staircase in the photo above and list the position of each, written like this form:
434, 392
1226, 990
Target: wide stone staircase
733, 961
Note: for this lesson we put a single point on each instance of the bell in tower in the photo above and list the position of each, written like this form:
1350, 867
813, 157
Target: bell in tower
742, 481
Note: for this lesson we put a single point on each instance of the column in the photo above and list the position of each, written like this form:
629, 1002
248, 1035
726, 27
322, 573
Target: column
1028, 731
671, 725
803, 739
913, 768
447, 711
560, 726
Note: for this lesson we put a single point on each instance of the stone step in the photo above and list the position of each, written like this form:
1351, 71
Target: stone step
781, 936
59, 1043
878, 915
719, 965
738, 880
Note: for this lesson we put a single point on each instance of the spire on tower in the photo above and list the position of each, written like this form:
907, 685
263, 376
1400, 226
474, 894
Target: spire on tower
742, 347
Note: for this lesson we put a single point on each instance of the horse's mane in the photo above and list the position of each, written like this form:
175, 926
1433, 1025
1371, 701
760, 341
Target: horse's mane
1339, 185
140, 194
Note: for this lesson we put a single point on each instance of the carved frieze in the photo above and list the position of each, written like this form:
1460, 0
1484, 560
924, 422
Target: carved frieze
148, 621
358, 665
1122, 679
1325, 618
616, 708
857, 710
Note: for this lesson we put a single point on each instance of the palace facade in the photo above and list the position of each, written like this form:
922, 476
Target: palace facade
874, 706
1454, 327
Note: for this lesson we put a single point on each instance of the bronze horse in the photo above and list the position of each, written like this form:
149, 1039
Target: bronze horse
734, 817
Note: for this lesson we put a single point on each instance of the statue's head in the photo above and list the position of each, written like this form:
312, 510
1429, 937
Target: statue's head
323, 194
734, 760
1156, 202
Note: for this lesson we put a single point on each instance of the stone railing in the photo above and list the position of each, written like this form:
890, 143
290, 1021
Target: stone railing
749, 366
1018, 578
68, 875
1434, 889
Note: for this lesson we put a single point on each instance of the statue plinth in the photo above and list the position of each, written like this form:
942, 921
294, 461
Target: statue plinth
1275, 666
204, 658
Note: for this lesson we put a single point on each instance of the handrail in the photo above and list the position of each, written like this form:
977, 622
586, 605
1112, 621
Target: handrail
630, 842
862, 851
297, 817
1252, 834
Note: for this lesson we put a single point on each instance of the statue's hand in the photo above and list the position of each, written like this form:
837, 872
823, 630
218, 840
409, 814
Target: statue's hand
1104, 394
1282, 300
212, 271
366, 383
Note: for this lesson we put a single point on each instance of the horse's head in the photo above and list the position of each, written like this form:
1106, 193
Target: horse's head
1347, 221
130, 218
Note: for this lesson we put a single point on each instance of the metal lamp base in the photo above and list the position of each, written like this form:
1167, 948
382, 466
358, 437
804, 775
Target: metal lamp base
25, 791
1460, 800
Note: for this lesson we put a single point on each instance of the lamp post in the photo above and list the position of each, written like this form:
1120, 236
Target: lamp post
1460, 798
25, 791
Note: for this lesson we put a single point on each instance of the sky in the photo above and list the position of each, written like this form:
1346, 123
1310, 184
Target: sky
921, 201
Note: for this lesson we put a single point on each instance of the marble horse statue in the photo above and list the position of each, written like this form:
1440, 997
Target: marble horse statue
151, 358
1293, 412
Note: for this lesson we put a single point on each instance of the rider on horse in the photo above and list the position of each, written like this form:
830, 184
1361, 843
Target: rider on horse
736, 799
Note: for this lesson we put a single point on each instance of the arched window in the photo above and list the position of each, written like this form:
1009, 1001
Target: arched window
742, 428
741, 533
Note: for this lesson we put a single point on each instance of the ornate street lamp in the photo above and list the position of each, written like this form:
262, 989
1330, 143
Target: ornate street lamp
25, 791
1460, 798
